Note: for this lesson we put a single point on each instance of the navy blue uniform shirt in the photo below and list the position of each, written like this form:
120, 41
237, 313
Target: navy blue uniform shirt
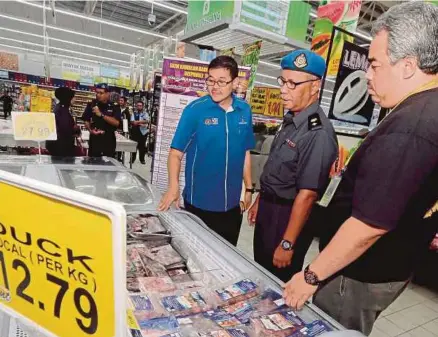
215, 143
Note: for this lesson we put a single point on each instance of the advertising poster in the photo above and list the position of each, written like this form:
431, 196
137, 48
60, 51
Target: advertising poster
351, 102
74, 71
250, 58
266, 101
8, 61
181, 83
343, 14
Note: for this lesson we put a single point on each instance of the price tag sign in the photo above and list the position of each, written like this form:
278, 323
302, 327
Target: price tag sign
258, 100
62, 259
274, 104
34, 126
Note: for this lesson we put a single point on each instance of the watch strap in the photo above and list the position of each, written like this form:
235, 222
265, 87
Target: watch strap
310, 277
251, 190
287, 245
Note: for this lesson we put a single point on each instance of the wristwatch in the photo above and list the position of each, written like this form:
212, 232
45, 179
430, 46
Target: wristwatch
310, 277
287, 245
251, 190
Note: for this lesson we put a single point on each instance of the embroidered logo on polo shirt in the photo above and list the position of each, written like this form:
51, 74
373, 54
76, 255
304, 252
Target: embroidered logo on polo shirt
211, 121
243, 121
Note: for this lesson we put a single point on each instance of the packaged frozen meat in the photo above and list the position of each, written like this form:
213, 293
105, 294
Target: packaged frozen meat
165, 255
225, 333
134, 264
156, 284
278, 324
193, 326
144, 266
316, 328
222, 318
187, 303
132, 285
236, 292
158, 327
144, 307
146, 224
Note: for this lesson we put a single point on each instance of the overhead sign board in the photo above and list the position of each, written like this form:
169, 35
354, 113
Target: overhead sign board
53, 276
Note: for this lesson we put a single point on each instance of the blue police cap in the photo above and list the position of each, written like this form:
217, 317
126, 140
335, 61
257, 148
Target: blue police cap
102, 86
305, 61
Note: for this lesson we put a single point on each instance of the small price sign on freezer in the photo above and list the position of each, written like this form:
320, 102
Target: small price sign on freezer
52, 269
34, 126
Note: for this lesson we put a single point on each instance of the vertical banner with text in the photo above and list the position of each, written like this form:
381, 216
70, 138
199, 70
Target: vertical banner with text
53, 276
250, 58
181, 83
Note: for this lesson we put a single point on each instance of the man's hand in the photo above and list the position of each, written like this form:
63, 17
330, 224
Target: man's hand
246, 203
96, 132
297, 291
282, 258
171, 196
97, 111
252, 213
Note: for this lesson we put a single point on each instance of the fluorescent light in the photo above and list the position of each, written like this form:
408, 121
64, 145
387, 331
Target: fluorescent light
266, 84
69, 31
18, 41
269, 64
94, 19
163, 5
22, 48
65, 41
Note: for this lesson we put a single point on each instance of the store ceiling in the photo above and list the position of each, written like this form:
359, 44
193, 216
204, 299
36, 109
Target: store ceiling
81, 29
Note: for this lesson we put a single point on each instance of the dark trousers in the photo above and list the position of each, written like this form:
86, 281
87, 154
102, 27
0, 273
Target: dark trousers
141, 145
226, 224
271, 224
102, 145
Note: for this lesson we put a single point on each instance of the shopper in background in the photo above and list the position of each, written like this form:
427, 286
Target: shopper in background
125, 126
215, 132
66, 128
139, 130
102, 118
374, 229
297, 170
8, 103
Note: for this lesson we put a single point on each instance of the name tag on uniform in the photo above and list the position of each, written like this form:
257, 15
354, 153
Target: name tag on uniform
330, 191
211, 121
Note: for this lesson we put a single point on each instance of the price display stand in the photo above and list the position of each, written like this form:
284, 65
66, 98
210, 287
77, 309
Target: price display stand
61, 260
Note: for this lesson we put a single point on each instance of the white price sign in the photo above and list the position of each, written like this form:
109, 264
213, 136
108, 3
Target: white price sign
34, 126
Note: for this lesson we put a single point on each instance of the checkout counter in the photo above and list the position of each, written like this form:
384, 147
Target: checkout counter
106, 178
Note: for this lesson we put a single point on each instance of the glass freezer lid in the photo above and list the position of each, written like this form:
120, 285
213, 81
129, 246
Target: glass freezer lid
87, 161
15, 169
119, 186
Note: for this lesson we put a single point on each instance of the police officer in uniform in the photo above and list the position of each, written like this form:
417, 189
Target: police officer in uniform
297, 170
102, 118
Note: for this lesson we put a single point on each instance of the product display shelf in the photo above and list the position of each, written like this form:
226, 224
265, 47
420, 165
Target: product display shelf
107, 178
81, 100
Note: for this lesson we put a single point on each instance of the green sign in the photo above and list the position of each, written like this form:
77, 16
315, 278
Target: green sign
267, 15
203, 13
298, 20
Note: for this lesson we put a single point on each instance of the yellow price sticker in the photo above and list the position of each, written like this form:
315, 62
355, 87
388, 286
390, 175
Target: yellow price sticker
34, 126
274, 103
52, 269
258, 100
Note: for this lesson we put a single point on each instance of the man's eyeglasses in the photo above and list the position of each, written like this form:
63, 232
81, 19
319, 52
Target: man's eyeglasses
220, 83
291, 84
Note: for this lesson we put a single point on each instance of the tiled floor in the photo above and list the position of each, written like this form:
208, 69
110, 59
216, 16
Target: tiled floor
413, 314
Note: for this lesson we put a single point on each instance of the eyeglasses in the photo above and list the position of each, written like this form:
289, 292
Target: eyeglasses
220, 83
291, 84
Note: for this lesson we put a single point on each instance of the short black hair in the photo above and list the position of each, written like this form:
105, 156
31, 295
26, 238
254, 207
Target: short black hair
124, 98
139, 102
226, 62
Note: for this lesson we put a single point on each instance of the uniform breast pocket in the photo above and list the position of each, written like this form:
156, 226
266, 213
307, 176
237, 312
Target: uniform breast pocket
288, 162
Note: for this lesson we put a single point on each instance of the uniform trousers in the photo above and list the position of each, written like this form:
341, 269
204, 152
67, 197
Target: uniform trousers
226, 224
271, 223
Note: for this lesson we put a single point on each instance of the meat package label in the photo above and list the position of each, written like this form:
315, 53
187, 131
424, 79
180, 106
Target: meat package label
237, 289
180, 303
281, 321
141, 302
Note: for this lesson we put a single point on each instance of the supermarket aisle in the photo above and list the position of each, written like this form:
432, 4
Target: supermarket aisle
413, 314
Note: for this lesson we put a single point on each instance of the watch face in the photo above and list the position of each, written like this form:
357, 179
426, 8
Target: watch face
286, 245
311, 278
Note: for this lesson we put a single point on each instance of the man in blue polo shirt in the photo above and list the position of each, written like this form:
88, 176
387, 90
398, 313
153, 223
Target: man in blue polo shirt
215, 133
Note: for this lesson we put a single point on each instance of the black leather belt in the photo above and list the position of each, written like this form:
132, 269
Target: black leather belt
275, 199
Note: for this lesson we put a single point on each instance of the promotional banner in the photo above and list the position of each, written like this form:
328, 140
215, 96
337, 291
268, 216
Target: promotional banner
343, 14
250, 58
181, 83
351, 101
8, 61
74, 71
266, 101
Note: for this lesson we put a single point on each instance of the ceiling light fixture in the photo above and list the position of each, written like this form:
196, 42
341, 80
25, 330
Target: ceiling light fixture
64, 41
69, 31
94, 19
163, 5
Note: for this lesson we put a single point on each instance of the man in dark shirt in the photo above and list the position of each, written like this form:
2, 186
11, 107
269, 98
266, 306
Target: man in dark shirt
297, 169
8, 103
102, 118
374, 226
